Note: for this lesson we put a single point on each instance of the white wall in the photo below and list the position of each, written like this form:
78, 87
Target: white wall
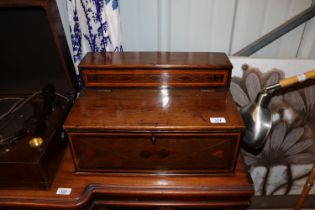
214, 25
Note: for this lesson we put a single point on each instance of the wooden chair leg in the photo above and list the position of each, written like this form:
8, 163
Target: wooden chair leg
307, 187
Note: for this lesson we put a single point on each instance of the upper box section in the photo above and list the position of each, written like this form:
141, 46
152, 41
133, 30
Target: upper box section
156, 69
33, 51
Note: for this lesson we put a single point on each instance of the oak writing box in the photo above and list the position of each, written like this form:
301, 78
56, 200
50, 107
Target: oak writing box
155, 113
37, 75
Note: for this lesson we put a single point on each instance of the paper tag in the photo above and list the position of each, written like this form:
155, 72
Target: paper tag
217, 120
63, 191
301, 77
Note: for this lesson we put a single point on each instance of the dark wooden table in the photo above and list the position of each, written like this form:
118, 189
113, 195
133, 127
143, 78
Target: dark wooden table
154, 191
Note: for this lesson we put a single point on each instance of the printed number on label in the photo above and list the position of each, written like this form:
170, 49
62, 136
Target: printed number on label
63, 191
217, 120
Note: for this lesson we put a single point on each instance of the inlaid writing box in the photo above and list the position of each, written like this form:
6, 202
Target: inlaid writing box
155, 113
37, 89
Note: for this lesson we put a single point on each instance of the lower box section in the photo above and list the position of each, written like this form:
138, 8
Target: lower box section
163, 153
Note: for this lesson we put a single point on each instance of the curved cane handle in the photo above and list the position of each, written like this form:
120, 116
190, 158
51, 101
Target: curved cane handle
297, 78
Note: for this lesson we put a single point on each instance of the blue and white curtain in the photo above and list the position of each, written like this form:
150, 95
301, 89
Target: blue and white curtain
95, 26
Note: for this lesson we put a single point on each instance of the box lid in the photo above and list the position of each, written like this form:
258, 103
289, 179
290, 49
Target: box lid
34, 51
156, 60
154, 110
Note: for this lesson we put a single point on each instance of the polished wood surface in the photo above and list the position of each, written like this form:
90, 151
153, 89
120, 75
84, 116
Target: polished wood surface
151, 113
155, 69
169, 153
178, 120
156, 60
154, 131
158, 78
90, 191
132, 110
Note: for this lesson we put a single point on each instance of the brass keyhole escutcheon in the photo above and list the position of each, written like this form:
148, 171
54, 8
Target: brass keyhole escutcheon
153, 139
36, 142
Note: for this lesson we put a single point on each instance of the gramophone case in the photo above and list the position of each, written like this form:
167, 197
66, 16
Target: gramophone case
38, 76
148, 113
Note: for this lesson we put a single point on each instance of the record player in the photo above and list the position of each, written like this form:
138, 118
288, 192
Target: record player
37, 88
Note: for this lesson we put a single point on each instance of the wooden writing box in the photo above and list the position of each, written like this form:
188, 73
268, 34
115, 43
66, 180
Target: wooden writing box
34, 54
149, 113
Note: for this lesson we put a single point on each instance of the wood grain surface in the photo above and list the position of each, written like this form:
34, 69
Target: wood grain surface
156, 69
134, 110
156, 60
170, 153
88, 191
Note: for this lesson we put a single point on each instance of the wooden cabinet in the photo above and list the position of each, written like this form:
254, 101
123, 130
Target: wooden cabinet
134, 192
152, 131
155, 113
148, 131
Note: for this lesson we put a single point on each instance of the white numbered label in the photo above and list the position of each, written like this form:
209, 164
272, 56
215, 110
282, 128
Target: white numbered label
217, 120
63, 191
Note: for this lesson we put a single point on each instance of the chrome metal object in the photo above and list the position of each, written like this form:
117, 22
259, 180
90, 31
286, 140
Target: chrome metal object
257, 118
